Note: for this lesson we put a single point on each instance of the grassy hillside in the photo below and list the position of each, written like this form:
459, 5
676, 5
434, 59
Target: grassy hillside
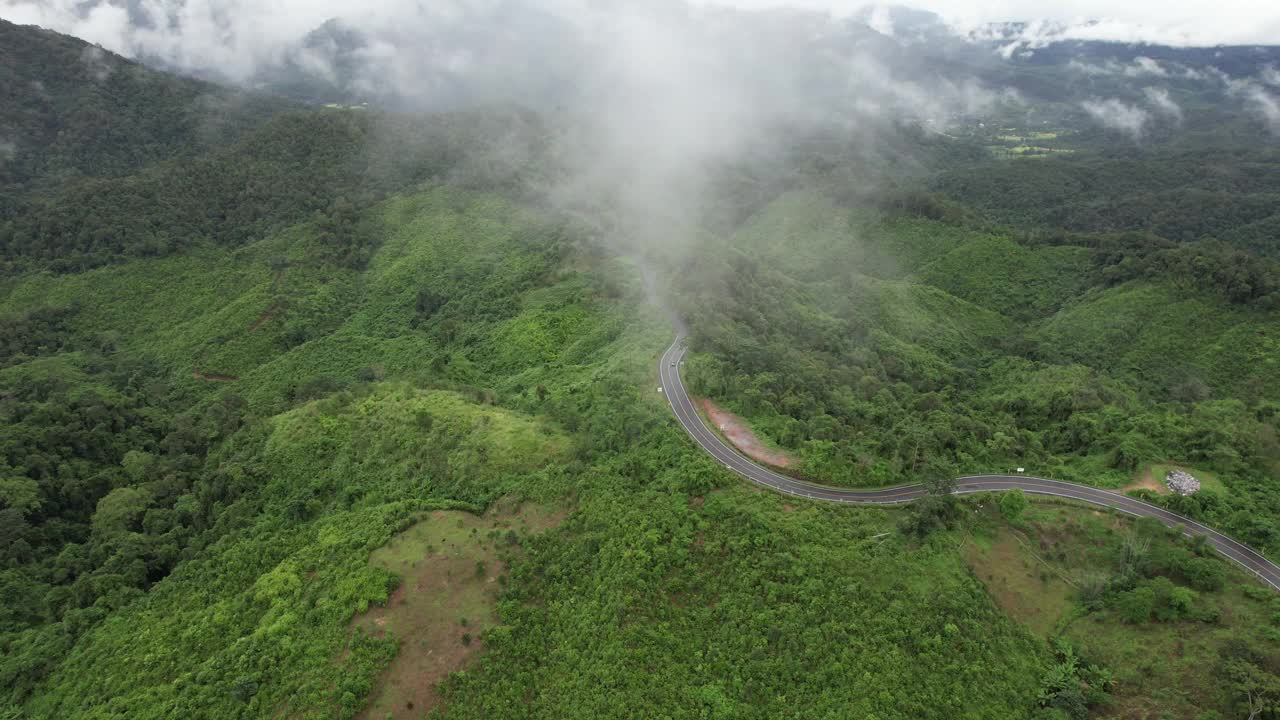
1177, 340
482, 354
738, 605
1015, 281
881, 349
1056, 570
261, 616
268, 418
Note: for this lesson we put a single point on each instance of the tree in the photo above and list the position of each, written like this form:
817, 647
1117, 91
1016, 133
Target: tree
1137, 605
935, 510
1205, 573
20, 493
1012, 504
137, 465
1257, 689
940, 485
120, 510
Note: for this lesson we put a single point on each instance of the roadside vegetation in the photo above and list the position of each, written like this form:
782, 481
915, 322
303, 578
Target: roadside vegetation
879, 349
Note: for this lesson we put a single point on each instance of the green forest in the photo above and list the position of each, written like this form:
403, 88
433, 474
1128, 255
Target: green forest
265, 381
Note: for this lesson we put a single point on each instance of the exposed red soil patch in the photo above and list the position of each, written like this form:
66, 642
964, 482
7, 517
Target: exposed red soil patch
213, 377
737, 432
1147, 481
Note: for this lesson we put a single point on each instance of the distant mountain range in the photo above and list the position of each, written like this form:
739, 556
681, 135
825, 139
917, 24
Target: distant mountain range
530, 56
521, 52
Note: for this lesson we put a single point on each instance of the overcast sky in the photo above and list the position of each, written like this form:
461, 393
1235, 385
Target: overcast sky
1174, 22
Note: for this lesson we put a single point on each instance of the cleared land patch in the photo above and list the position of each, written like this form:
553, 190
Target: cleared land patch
735, 429
451, 565
1152, 477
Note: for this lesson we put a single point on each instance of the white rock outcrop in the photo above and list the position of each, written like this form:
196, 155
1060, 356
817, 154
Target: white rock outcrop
1182, 482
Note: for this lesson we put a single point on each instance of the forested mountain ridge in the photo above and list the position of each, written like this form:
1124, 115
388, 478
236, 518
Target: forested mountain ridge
69, 110
1230, 195
292, 167
108, 160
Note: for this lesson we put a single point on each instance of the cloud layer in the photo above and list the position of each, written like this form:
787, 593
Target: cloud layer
1118, 115
237, 35
1164, 22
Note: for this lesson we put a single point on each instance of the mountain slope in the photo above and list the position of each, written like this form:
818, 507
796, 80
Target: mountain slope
69, 109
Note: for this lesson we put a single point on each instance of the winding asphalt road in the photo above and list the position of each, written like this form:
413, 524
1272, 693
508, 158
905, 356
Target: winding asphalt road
708, 440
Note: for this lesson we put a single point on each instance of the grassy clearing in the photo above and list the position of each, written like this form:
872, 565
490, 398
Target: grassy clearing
450, 565
1033, 570
403, 443
1019, 580
1151, 477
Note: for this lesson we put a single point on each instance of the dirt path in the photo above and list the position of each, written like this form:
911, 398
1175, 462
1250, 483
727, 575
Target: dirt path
737, 432
213, 377
265, 316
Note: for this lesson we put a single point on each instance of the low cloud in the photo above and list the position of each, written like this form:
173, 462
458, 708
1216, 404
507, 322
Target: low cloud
1145, 66
233, 36
1118, 115
97, 62
880, 19
1265, 105
1140, 67
1165, 105
1254, 92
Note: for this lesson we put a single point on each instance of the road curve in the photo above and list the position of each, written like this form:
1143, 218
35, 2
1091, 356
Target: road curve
687, 415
